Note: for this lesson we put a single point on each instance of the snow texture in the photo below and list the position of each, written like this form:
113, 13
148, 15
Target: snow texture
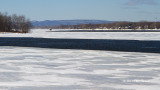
58, 69
50, 69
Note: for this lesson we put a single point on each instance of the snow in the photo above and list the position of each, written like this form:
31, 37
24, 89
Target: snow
58, 69
44, 33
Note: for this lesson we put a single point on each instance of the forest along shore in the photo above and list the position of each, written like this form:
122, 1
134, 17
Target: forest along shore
85, 44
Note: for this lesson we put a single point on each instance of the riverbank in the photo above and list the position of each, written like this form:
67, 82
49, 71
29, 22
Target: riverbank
103, 30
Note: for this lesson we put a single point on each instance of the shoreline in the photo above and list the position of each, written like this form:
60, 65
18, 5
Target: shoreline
103, 30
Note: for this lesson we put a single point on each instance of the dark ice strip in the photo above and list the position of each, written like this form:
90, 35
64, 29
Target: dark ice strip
85, 44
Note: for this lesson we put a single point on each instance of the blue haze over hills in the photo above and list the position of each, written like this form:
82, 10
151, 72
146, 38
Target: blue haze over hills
68, 22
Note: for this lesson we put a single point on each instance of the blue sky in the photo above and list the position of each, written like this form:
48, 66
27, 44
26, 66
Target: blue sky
114, 10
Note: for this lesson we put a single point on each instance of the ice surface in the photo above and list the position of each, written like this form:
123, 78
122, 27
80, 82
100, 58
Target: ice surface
58, 69
43, 33
49, 69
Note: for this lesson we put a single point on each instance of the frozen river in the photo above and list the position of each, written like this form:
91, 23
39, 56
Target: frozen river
59, 69
43, 33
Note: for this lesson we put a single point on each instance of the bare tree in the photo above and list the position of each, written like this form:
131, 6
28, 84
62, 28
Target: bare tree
14, 23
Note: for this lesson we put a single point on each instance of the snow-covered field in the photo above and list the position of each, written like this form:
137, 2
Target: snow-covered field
58, 69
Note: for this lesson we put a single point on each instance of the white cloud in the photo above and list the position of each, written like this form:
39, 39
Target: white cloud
141, 2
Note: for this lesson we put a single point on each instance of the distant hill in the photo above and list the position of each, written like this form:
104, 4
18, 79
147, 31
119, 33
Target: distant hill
68, 22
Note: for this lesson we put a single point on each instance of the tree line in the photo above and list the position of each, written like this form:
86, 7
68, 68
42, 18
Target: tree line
114, 25
14, 23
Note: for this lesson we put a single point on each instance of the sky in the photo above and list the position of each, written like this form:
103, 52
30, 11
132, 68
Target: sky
112, 10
